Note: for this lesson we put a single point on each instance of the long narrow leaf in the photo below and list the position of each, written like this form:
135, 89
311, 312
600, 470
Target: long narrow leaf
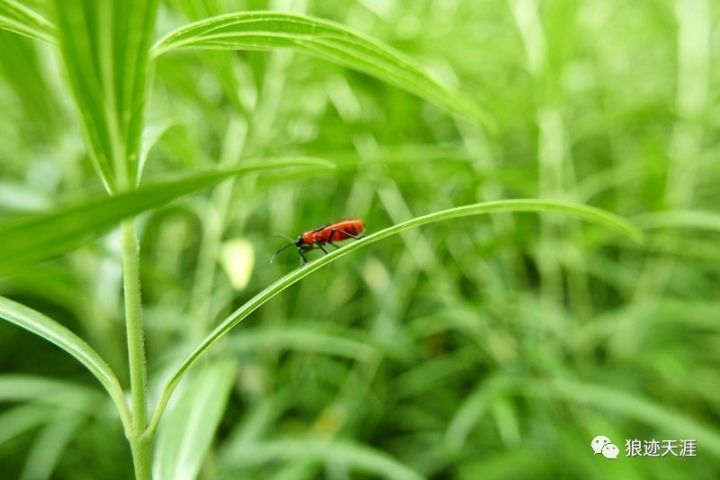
351, 454
592, 214
681, 219
18, 420
303, 339
24, 388
41, 236
49, 445
105, 48
324, 39
17, 18
54, 332
473, 408
258, 420
188, 430
634, 406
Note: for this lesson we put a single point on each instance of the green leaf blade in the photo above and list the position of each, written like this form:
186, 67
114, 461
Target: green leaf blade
18, 420
304, 340
681, 219
31, 388
323, 39
188, 431
41, 236
105, 50
50, 444
352, 454
633, 405
17, 18
43, 326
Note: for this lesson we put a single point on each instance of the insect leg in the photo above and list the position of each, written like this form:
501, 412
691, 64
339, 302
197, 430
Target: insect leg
354, 237
330, 238
301, 251
319, 245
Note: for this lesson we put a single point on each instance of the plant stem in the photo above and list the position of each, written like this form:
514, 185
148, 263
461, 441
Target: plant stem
141, 449
141, 452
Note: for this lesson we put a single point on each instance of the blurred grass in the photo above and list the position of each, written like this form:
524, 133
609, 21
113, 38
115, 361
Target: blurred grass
467, 349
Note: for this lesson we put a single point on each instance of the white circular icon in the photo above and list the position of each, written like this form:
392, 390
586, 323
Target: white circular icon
610, 451
599, 442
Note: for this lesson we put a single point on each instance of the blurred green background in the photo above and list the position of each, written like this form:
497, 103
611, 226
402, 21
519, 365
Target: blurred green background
488, 347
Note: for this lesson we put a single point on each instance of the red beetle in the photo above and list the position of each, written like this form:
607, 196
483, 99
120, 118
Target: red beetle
325, 235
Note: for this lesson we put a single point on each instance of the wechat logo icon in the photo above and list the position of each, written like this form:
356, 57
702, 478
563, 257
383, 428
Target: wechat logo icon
602, 444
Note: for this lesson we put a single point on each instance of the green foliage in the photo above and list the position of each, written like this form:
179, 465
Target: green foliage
269, 30
288, 280
39, 236
104, 48
56, 333
481, 347
350, 454
17, 18
190, 426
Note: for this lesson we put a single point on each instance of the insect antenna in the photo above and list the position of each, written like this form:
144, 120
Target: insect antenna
292, 242
282, 235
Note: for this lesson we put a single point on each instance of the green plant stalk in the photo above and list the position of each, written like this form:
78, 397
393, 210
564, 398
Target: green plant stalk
140, 447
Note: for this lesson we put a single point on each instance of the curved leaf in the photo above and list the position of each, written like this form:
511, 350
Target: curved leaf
603, 397
188, 430
324, 39
50, 444
18, 420
17, 18
150, 137
681, 219
303, 339
352, 454
53, 332
105, 48
258, 420
633, 405
24, 388
40, 236
473, 409
592, 214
